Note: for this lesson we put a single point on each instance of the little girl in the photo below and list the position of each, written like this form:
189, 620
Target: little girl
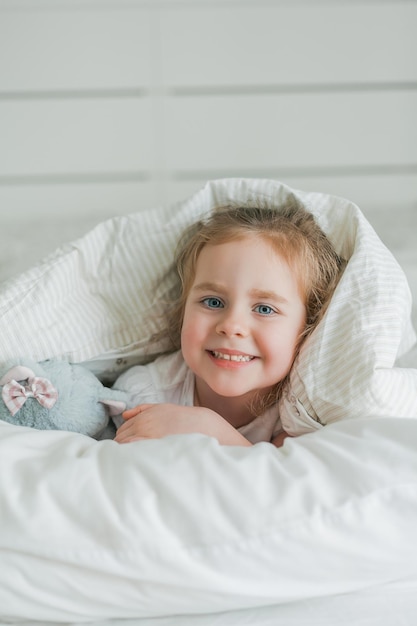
254, 284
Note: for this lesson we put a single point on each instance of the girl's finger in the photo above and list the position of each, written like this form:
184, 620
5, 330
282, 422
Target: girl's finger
128, 439
129, 413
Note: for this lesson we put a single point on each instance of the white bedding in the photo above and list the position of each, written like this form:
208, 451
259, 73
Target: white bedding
181, 526
381, 606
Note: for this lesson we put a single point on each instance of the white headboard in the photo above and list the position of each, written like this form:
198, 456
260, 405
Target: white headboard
111, 106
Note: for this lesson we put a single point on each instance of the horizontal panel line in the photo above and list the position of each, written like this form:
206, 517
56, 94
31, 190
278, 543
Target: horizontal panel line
330, 171
203, 90
327, 171
76, 178
242, 90
75, 94
102, 5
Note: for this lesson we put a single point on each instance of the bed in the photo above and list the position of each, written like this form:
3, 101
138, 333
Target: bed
182, 530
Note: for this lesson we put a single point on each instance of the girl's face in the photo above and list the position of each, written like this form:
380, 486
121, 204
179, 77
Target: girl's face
242, 320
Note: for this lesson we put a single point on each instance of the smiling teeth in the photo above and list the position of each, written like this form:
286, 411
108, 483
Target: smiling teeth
232, 357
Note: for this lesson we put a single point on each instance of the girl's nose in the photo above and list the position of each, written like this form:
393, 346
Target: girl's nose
232, 324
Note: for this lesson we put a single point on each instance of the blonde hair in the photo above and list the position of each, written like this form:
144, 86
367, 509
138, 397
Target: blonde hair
292, 232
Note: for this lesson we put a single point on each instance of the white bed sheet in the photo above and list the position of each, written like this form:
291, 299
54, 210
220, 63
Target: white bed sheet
384, 606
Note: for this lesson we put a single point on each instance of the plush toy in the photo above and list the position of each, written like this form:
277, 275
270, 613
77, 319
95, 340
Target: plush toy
57, 395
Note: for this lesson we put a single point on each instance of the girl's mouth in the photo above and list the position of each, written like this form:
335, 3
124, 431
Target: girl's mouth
240, 358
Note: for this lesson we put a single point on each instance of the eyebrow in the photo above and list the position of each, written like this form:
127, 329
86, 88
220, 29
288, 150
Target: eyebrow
260, 294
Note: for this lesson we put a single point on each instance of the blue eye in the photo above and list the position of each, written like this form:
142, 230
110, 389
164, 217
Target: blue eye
264, 309
212, 303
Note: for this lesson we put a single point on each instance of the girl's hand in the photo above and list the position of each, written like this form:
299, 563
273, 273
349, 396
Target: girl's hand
154, 421
279, 439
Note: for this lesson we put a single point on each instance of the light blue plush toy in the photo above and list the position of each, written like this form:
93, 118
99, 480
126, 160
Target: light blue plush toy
56, 395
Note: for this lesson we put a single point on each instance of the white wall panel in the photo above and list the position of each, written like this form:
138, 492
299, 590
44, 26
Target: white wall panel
103, 199
75, 136
53, 50
258, 45
291, 130
374, 192
100, 200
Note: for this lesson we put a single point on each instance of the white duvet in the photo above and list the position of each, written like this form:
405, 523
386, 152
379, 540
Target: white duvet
182, 525
94, 530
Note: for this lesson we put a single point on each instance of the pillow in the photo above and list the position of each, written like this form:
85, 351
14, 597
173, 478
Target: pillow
99, 299
95, 530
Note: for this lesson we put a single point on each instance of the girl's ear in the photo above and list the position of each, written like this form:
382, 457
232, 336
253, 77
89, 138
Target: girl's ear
18, 373
116, 407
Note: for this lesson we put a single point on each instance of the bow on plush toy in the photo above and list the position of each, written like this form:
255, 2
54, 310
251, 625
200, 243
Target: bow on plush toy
57, 395
14, 394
